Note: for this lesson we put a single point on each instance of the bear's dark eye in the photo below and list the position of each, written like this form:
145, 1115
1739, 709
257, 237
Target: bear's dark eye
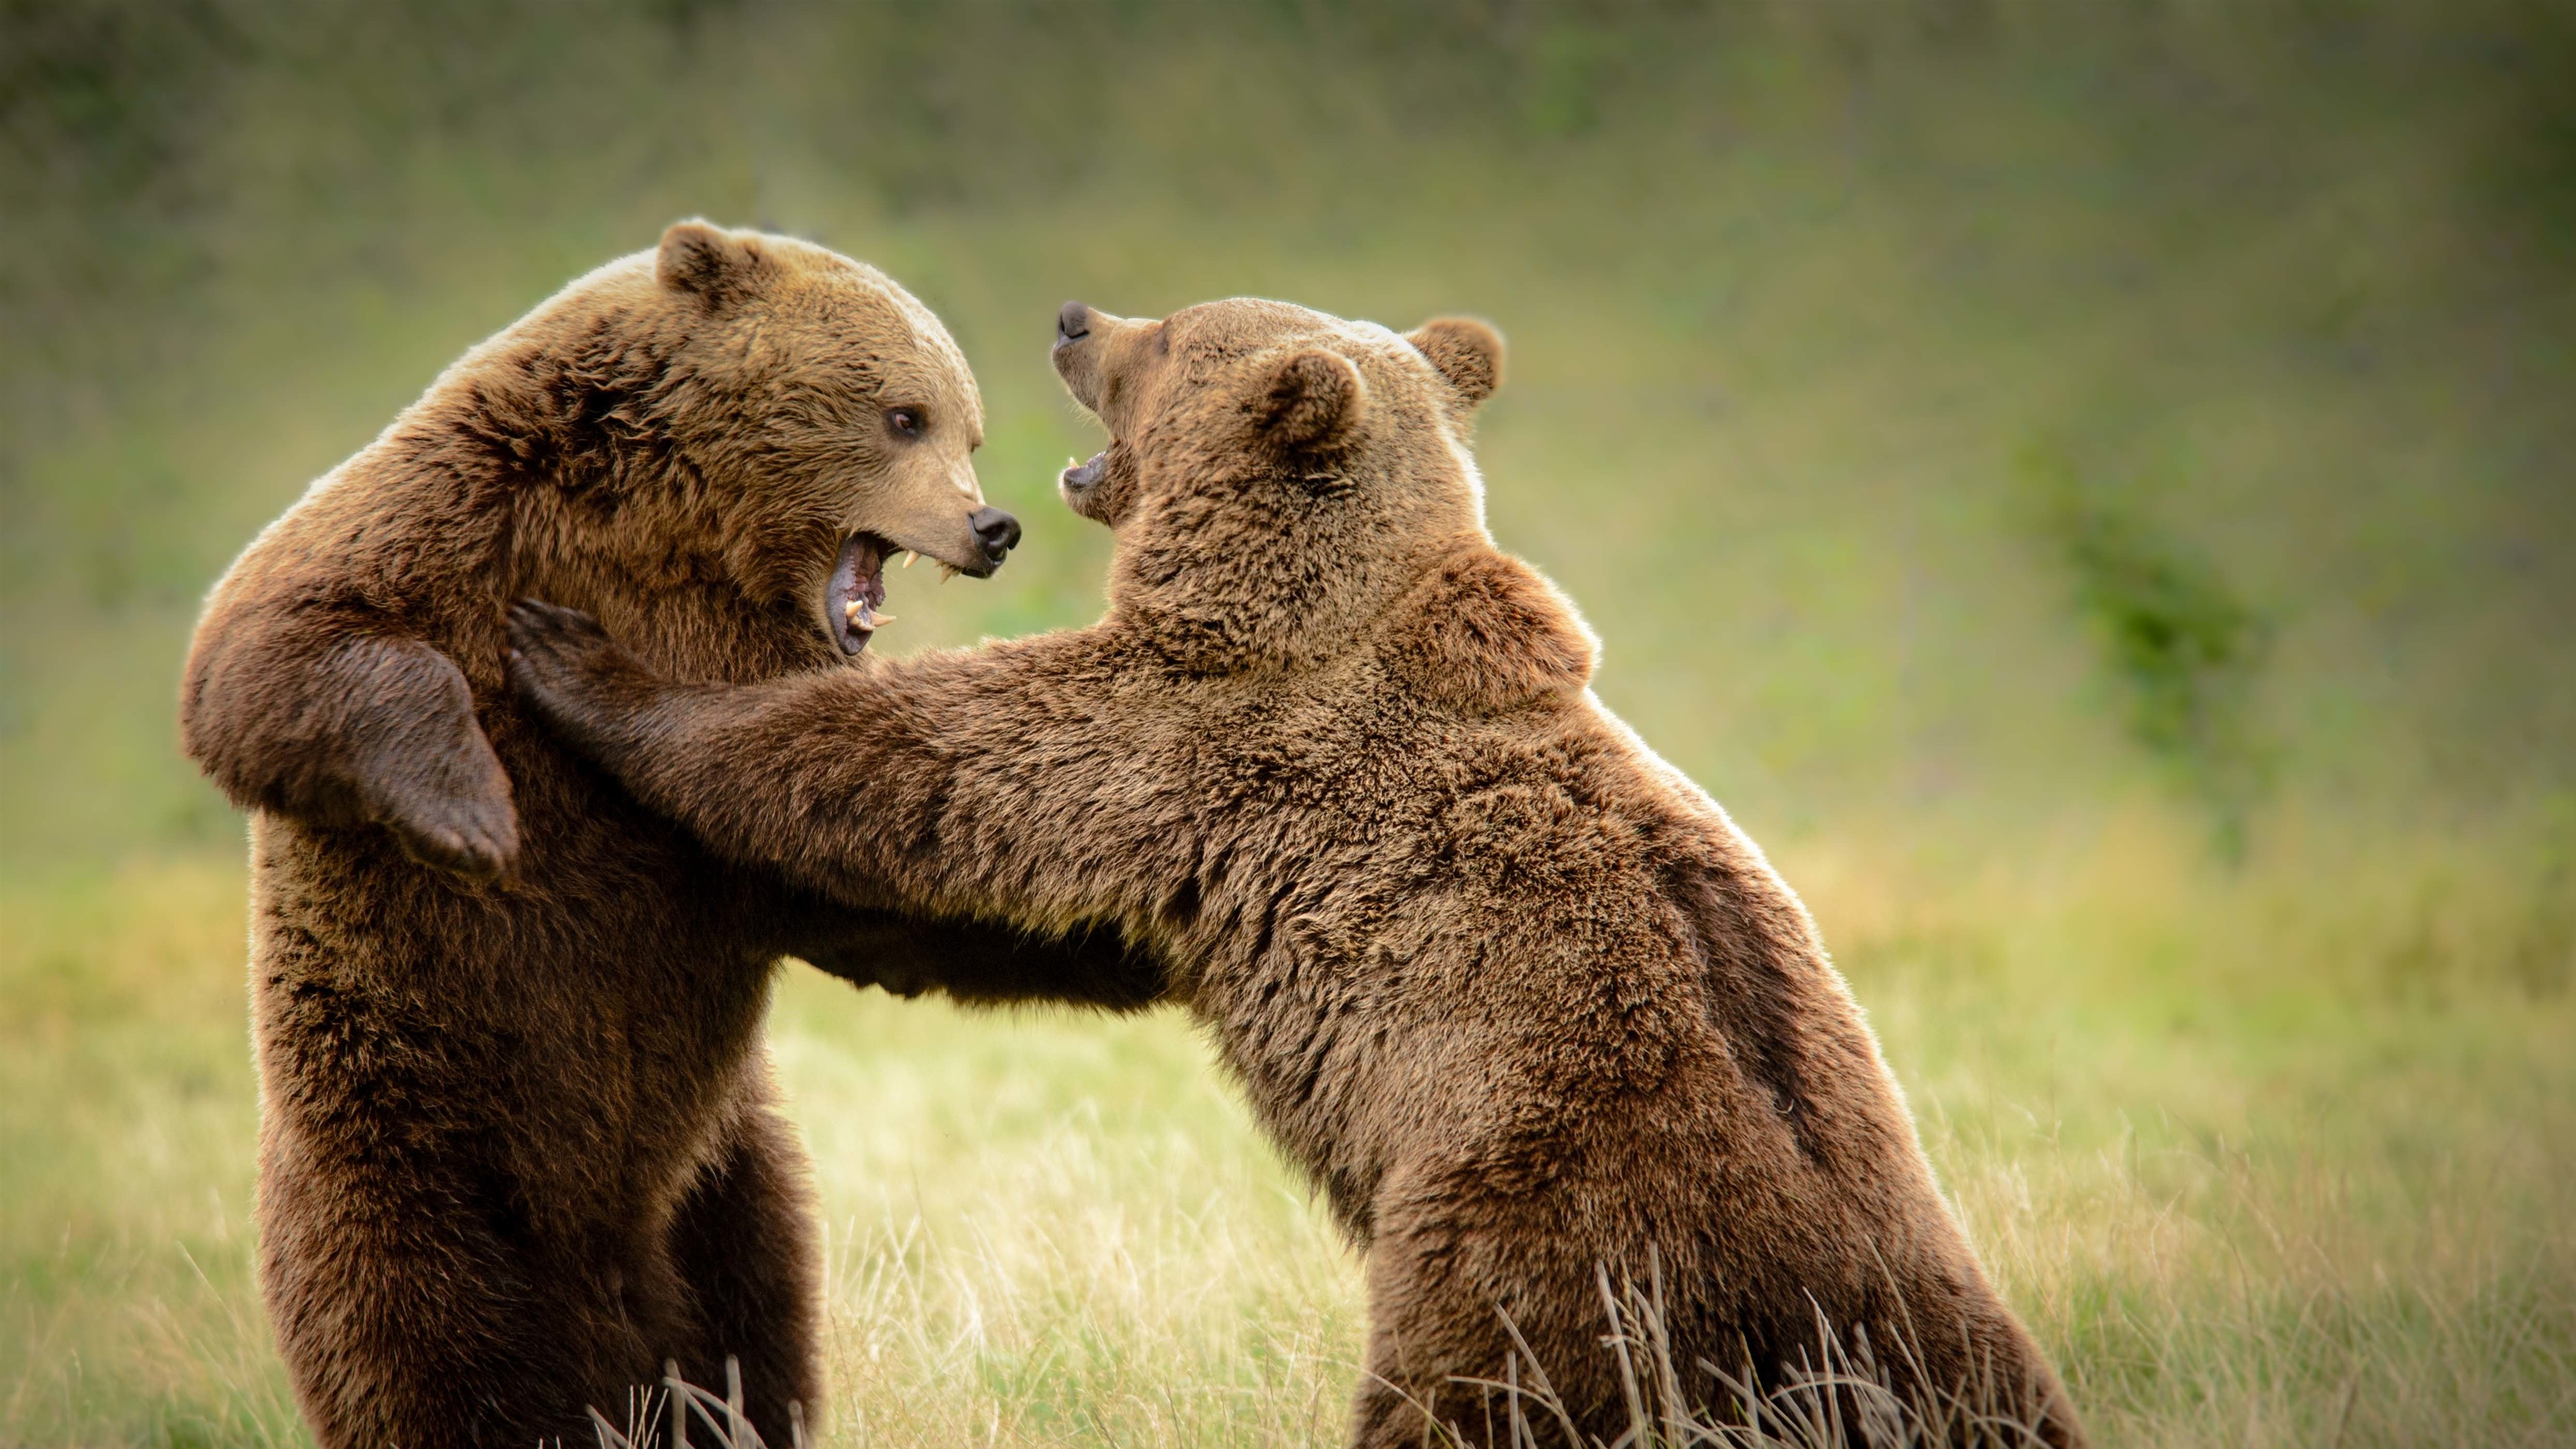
906, 421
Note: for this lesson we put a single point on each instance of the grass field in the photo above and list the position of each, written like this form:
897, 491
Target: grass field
2249, 1187
2230, 979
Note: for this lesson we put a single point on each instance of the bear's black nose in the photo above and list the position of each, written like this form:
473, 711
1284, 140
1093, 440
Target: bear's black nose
996, 531
1073, 320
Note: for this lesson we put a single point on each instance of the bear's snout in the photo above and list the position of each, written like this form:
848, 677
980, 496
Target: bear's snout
1086, 349
996, 533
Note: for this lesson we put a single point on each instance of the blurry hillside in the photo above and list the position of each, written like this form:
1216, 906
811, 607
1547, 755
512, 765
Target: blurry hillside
1825, 319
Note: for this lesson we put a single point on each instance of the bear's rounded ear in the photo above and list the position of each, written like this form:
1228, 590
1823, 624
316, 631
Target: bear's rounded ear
1315, 400
705, 260
1468, 353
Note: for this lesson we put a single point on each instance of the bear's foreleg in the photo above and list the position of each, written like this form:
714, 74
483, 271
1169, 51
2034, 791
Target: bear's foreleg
335, 720
850, 778
980, 964
1452, 1326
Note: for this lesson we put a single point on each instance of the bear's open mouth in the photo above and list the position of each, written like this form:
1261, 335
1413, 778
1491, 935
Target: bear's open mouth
857, 593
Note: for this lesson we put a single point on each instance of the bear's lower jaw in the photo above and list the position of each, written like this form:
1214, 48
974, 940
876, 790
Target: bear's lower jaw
857, 592
1080, 483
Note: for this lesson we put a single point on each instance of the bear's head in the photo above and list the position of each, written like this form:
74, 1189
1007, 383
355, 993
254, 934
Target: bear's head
758, 410
1286, 486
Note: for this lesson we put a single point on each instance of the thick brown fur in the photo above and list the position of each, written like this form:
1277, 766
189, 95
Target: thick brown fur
519, 1143
1516, 993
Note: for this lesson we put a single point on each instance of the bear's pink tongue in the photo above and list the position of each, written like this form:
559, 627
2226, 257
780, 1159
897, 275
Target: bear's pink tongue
858, 589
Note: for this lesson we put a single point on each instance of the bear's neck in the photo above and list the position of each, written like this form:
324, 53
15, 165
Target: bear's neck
679, 602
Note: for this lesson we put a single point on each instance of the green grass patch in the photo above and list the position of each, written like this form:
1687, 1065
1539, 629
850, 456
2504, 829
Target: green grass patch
2248, 1191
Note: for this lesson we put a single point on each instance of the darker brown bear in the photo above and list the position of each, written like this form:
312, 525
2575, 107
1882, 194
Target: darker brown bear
519, 1144
1516, 993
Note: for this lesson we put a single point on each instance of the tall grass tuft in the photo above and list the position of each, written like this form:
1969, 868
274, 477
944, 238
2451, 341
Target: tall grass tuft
721, 1419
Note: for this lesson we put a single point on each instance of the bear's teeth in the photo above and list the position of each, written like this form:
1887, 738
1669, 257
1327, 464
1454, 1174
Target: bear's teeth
852, 610
908, 557
869, 618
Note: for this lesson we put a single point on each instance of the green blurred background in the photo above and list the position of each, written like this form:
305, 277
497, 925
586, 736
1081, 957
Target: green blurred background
2091, 486
1800, 298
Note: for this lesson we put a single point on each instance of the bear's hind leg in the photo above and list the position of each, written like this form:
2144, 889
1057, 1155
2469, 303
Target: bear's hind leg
744, 1244
407, 1317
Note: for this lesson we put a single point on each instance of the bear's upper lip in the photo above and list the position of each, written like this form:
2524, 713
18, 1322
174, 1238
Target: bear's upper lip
857, 591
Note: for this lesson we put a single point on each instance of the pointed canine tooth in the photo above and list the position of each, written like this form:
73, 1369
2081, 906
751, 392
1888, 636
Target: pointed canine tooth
881, 619
852, 610
908, 557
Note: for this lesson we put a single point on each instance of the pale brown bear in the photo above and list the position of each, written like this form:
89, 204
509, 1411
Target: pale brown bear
518, 1143
1516, 994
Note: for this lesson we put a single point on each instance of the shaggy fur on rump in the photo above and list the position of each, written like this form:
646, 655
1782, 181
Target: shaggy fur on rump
1515, 992
518, 1142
